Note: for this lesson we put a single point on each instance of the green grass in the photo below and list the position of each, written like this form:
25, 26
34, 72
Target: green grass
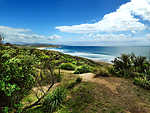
68, 66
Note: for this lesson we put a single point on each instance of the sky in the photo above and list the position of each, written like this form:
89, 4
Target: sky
76, 22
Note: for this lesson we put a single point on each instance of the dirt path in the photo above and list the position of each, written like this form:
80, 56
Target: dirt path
111, 85
122, 92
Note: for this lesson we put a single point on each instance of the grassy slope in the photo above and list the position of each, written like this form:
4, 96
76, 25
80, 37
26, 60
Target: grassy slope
103, 95
91, 96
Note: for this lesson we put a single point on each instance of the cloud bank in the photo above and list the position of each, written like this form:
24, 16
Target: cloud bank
19, 35
123, 19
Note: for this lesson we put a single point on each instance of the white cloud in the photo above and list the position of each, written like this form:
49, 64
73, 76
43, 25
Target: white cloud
54, 37
141, 8
10, 30
122, 20
16, 35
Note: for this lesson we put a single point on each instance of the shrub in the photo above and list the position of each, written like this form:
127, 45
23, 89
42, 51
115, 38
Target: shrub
137, 74
74, 62
143, 82
16, 77
53, 101
67, 66
83, 69
102, 72
137, 67
126, 64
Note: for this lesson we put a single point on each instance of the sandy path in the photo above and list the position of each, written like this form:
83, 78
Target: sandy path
90, 77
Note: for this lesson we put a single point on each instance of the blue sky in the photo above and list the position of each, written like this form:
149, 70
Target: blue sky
76, 22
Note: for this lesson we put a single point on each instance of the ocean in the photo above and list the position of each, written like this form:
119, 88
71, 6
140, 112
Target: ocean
103, 53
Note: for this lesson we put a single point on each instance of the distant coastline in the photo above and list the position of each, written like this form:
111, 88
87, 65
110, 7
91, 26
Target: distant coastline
101, 53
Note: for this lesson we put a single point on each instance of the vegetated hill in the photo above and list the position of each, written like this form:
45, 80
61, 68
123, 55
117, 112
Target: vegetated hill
55, 57
87, 92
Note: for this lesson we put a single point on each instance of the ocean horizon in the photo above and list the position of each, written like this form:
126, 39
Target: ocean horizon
103, 53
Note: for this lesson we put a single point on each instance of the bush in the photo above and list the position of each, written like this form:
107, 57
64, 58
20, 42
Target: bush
102, 72
17, 74
126, 64
53, 101
142, 82
67, 66
137, 67
83, 69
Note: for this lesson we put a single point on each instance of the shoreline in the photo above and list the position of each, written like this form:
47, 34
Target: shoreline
41, 48
92, 59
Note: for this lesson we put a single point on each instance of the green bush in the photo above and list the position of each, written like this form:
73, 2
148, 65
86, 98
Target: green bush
137, 67
17, 74
83, 69
126, 64
102, 72
54, 100
142, 82
68, 66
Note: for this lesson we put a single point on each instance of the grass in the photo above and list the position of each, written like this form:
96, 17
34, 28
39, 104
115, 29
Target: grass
91, 97
94, 97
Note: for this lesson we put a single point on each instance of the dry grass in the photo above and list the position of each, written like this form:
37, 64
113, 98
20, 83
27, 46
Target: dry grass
107, 95
104, 95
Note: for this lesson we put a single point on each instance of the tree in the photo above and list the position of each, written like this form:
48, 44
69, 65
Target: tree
46, 69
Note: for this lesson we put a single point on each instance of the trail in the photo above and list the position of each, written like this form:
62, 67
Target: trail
121, 89
102, 81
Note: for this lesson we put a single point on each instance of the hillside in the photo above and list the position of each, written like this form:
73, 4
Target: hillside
102, 95
89, 85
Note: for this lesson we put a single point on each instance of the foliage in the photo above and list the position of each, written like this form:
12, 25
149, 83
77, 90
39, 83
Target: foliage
20, 66
142, 82
67, 66
102, 72
133, 66
17, 74
54, 100
124, 65
83, 69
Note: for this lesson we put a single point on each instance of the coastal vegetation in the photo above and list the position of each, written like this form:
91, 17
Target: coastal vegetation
67, 66
83, 69
131, 66
44, 81
24, 68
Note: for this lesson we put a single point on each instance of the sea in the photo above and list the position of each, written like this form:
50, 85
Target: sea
103, 53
